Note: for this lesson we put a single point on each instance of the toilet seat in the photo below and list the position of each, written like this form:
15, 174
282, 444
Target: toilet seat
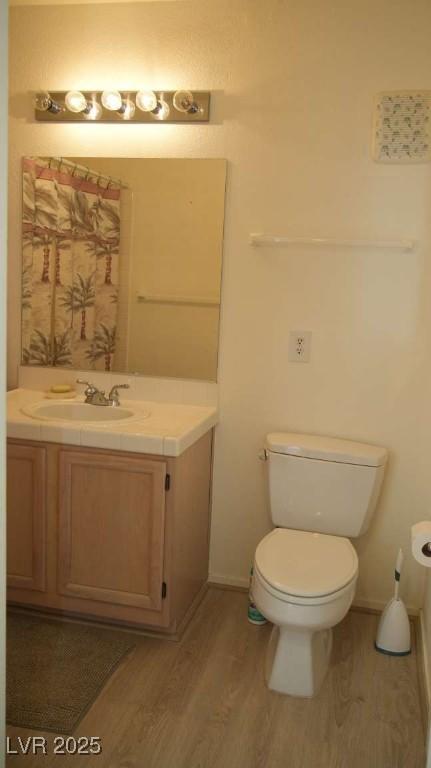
299, 600
305, 568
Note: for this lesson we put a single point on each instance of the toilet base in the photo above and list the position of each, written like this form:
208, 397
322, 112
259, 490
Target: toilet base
297, 661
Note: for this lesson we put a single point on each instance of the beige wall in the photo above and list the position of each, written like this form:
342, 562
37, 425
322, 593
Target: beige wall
293, 86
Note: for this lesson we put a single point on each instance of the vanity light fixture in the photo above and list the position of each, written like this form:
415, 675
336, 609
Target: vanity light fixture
112, 100
89, 108
112, 106
43, 102
146, 100
184, 102
127, 109
94, 111
75, 101
162, 110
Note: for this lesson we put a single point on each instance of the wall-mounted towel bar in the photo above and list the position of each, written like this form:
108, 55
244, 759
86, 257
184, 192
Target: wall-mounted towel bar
203, 301
276, 241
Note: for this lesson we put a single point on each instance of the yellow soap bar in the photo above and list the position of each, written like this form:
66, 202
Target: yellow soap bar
61, 388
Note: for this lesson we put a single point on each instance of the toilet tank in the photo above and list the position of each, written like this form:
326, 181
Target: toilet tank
323, 484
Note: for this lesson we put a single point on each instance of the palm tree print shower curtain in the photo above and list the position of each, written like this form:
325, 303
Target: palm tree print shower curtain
71, 251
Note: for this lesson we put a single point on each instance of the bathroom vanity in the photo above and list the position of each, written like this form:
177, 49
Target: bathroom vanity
110, 520
109, 503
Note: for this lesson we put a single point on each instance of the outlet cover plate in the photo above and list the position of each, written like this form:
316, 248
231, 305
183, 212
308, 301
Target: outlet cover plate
299, 346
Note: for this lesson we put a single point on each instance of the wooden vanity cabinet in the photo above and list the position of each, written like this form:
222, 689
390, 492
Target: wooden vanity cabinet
26, 525
117, 536
111, 528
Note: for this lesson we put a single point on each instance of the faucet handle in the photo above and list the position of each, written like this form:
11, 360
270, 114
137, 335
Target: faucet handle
90, 389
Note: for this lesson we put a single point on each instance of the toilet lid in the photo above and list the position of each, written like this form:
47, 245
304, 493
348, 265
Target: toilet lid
306, 564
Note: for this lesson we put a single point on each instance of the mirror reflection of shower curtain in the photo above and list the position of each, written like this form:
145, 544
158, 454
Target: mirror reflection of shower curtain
71, 251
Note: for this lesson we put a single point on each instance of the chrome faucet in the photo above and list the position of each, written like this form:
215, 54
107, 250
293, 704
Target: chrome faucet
94, 396
114, 398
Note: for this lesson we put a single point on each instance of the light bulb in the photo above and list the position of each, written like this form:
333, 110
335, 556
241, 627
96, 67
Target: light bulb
161, 112
127, 109
146, 101
44, 103
112, 100
75, 101
183, 101
94, 111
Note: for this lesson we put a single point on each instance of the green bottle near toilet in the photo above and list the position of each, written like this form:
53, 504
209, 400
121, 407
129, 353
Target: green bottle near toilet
254, 615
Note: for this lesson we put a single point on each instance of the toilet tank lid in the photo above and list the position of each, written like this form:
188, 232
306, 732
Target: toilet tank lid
326, 449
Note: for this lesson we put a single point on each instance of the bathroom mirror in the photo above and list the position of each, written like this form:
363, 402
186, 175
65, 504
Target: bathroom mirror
122, 264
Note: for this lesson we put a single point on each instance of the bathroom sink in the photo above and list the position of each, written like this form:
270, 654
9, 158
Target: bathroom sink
67, 411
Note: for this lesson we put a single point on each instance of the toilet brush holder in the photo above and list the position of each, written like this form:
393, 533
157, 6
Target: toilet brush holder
393, 634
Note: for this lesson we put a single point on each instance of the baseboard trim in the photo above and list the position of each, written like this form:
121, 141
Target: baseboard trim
424, 677
377, 606
369, 606
229, 582
185, 621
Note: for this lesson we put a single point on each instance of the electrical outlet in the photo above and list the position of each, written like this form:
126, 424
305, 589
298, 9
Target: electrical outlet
299, 346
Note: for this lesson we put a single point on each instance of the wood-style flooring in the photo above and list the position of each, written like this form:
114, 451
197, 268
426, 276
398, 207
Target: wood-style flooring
203, 703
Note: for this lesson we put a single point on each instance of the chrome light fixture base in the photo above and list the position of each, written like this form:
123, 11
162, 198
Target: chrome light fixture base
198, 112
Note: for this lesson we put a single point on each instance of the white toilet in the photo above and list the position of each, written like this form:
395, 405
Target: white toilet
321, 490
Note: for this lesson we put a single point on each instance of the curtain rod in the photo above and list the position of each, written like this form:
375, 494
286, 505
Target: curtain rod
86, 169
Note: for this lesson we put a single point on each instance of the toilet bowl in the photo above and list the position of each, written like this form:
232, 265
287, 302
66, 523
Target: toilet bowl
304, 583
321, 491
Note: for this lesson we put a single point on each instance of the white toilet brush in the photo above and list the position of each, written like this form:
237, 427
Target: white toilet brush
393, 634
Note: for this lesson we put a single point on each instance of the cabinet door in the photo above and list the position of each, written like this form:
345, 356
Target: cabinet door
111, 528
26, 517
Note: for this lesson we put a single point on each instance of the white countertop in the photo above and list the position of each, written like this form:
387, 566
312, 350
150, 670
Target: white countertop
167, 430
